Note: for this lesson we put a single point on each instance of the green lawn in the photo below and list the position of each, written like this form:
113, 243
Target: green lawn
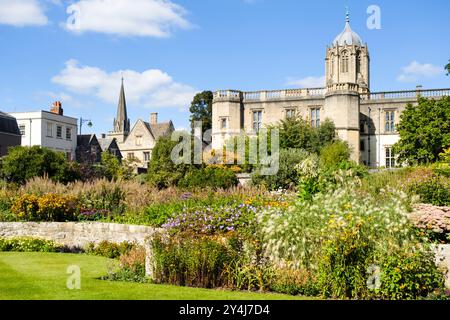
43, 276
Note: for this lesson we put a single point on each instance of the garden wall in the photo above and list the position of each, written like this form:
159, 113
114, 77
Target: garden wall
77, 234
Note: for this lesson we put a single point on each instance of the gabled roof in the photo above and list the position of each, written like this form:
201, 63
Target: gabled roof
86, 140
105, 143
8, 124
159, 130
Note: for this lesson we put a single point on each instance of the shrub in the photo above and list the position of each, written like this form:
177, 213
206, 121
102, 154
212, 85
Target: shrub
131, 267
25, 244
333, 154
109, 249
432, 221
409, 275
24, 163
434, 191
337, 236
48, 207
287, 177
213, 220
213, 177
196, 262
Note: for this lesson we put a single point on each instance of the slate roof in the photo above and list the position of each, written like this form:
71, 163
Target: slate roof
160, 129
105, 143
85, 139
8, 124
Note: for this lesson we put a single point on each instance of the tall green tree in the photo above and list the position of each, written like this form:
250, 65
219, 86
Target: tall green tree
297, 133
447, 67
201, 110
424, 131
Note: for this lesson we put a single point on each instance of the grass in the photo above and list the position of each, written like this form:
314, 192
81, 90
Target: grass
43, 276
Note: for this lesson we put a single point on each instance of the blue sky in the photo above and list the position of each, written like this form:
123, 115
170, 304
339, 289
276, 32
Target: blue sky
77, 51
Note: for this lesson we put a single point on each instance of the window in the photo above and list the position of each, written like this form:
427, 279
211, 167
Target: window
146, 156
344, 62
362, 145
131, 156
223, 123
68, 134
390, 158
362, 127
113, 151
290, 113
315, 117
390, 121
139, 140
22, 129
69, 156
59, 132
257, 120
49, 129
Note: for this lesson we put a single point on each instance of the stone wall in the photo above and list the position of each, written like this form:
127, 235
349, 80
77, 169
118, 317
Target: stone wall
77, 234
443, 261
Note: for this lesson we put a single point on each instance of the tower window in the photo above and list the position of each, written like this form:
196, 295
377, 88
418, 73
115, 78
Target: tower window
257, 120
223, 123
390, 121
344, 62
315, 117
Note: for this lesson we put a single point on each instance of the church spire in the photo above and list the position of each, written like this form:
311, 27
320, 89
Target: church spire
122, 123
347, 16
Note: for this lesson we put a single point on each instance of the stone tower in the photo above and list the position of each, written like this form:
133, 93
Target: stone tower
347, 71
121, 122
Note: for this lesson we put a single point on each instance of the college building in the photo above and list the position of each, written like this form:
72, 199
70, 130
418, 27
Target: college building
366, 120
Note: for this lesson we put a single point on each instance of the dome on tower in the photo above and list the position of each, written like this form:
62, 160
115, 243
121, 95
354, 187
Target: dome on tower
348, 36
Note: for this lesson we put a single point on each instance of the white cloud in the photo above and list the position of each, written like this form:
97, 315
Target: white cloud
308, 82
415, 71
21, 13
146, 18
151, 88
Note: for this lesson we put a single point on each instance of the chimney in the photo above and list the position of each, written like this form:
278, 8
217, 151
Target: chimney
57, 108
154, 118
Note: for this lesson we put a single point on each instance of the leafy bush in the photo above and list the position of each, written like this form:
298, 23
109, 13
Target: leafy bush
131, 267
213, 177
24, 163
434, 191
195, 262
25, 244
109, 249
337, 236
215, 220
48, 207
333, 154
287, 177
409, 275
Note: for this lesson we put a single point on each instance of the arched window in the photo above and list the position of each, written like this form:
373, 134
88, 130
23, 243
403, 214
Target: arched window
332, 65
344, 62
358, 63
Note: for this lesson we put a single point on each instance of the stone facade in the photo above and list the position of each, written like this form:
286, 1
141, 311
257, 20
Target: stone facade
367, 121
77, 234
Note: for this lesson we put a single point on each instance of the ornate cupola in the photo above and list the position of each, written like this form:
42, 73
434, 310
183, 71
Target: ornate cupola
348, 62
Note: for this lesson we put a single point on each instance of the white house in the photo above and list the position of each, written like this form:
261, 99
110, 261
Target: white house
50, 129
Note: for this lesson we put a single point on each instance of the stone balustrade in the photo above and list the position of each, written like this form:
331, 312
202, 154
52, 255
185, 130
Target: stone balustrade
291, 94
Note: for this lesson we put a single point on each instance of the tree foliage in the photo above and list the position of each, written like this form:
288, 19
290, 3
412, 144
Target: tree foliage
201, 110
447, 67
297, 133
24, 163
424, 131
